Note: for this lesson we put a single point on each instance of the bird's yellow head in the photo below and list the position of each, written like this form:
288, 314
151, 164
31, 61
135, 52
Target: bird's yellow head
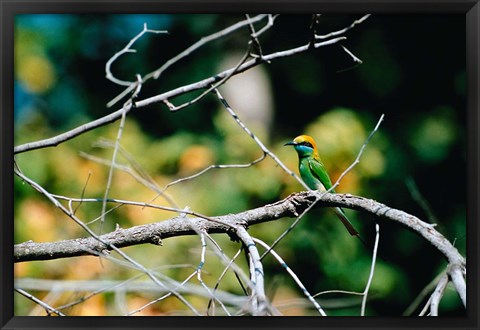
304, 145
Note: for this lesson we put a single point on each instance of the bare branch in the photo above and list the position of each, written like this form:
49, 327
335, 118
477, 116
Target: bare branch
256, 139
421, 296
253, 45
166, 295
203, 41
131, 285
174, 108
202, 235
223, 166
259, 299
126, 49
342, 31
355, 59
50, 310
271, 19
130, 103
101, 245
135, 170
372, 269
254, 40
357, 160
457, 273
205, 83
437, 295
224, 272
180, 226
293, 275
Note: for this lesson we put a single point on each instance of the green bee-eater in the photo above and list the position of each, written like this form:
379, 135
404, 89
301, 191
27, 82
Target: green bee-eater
314, 174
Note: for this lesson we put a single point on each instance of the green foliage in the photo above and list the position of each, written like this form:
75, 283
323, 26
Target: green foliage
434, 135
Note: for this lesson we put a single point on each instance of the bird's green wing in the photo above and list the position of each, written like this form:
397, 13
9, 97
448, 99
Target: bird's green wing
319, 172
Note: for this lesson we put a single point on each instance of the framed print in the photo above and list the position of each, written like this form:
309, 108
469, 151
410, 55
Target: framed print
308, 165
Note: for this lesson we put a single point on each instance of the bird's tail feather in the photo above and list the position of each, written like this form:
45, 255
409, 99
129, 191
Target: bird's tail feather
346, 222
348, 225
354, 232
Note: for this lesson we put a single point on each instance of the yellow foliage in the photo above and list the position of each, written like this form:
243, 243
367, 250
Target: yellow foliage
194, 159
87, 267
136, 302
36, 73
94, 306
282, 300
38, 217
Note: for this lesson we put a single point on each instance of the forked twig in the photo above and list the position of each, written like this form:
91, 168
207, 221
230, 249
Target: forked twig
125, 50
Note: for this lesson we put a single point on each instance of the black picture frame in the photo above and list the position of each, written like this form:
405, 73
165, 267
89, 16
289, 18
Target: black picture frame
471, 9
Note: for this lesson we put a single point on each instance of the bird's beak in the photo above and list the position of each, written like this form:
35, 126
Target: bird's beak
291, 143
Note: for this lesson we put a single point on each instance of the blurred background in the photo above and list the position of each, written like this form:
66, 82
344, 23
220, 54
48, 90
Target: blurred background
416, 162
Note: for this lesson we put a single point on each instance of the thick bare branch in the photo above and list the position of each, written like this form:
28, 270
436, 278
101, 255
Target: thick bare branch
179, 226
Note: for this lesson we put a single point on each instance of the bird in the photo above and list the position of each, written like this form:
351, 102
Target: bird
314, 174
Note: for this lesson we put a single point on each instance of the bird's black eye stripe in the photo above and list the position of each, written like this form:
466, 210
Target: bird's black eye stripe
306, 144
